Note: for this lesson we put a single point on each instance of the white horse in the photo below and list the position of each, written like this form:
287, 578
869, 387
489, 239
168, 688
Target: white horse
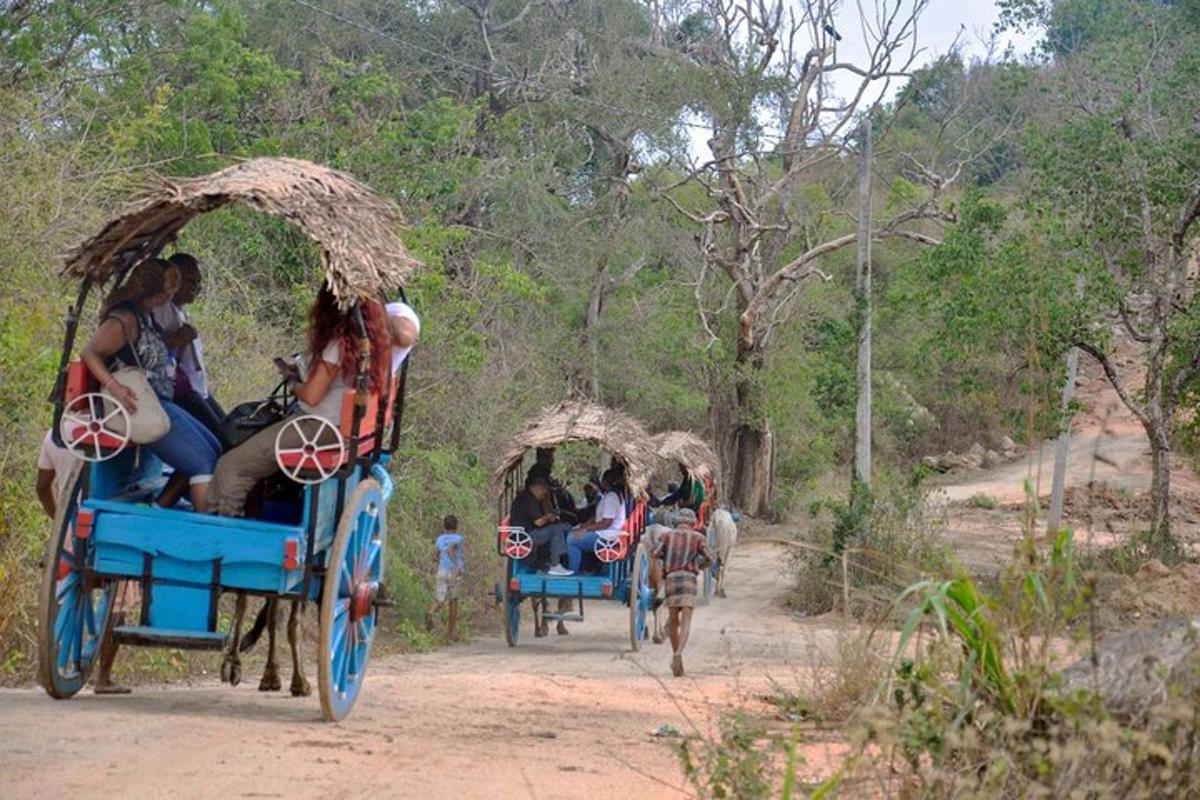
723, 531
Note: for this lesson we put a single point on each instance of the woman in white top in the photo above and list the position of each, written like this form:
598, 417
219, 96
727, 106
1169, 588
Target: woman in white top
333, 365
610, 519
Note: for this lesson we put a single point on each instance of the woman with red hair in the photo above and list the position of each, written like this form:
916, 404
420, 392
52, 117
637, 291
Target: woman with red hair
332, 365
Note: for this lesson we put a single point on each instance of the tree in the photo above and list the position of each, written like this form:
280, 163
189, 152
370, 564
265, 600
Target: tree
1118, 154
748, 60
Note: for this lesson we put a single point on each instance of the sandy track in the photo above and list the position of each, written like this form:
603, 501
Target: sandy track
563, 717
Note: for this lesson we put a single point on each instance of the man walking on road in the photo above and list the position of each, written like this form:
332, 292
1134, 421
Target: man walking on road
684, 553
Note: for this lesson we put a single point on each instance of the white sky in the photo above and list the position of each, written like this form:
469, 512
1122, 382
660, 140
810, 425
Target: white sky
970, 21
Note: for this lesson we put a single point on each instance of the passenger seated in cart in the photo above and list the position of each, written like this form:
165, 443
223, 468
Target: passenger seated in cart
610, 518
183, 341
561, 501
128, 337
688, 494
404, 327
591, 496
531, 511
331, 366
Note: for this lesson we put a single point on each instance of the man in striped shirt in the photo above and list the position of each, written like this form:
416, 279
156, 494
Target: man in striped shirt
684, 552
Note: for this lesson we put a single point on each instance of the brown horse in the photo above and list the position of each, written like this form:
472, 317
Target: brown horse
268, 618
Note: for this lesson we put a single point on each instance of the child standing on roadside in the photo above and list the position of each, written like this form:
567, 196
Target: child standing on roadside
450, 569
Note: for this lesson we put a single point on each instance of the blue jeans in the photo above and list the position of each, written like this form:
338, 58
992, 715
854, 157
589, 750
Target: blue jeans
551, 535
189, 447
577, 546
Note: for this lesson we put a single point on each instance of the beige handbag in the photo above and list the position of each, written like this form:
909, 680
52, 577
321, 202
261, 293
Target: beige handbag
150, 422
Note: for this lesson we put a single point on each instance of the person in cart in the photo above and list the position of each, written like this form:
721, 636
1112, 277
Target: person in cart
684, 553
192, 391
531, 510
688, 494
610, 518
329, 374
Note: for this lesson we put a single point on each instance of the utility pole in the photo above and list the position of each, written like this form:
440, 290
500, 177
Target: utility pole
1063, 446
862, 419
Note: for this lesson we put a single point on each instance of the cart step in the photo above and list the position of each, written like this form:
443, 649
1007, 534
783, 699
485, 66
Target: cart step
143, 636
562, 617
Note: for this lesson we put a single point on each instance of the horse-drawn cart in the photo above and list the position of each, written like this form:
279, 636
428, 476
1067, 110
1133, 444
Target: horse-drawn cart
322, 540
700, 462
617, 570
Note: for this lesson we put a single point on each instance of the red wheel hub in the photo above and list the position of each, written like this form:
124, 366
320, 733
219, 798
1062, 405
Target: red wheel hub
363, 600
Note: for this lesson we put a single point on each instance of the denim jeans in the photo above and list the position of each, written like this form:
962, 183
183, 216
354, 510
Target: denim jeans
188, 447
578, 546
554, 535
205, 411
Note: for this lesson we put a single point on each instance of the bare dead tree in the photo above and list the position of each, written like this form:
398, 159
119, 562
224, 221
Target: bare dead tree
784, 56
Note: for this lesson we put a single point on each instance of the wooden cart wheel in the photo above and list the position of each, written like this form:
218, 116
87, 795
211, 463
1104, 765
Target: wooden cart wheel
640, 597
512, 607
348, 613
73, 612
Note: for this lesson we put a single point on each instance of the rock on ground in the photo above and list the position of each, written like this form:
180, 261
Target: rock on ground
1141, 668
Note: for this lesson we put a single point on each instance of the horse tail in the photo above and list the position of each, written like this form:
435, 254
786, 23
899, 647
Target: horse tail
252, 636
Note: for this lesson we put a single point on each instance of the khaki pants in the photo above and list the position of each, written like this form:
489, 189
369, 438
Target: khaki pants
244, 466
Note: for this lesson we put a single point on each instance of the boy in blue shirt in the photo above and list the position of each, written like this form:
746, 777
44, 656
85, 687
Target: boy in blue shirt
450, 569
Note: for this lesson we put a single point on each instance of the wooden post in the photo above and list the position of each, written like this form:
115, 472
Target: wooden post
1063, 446
862, 427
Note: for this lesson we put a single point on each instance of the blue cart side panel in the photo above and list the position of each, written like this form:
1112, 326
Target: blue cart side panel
593, 586
130, 469
183, 548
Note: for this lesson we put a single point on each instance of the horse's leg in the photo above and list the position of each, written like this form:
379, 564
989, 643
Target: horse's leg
300, 687
536, 604
231, 665
270, 678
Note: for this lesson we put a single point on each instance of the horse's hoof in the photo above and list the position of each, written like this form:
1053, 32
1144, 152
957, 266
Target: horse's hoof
235, 674
224, 672
721, 593
300, 687
270, 682
657, 638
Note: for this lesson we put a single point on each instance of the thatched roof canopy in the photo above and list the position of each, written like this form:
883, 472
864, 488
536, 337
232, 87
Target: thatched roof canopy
357, 230
688, 449
580, 421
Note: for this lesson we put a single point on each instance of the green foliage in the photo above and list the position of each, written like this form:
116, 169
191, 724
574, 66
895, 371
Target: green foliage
736, 764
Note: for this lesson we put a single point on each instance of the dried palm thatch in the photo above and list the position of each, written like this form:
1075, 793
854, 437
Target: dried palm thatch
683, 447
581, 421
357, 230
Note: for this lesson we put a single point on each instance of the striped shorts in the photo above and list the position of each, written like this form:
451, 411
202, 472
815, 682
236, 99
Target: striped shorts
681, 589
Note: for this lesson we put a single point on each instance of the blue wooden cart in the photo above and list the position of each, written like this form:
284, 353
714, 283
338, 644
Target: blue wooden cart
322, 536
618, 569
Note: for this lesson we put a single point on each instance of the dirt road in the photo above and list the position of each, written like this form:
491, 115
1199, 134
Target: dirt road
563, 717
1107, 481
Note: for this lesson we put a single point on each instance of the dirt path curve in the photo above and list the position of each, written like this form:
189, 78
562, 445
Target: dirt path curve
563, 717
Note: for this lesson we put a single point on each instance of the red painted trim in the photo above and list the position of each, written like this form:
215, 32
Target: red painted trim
291, 554
84, 521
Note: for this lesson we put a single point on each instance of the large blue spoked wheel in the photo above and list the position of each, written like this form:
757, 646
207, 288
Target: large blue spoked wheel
348, 613
640, 597
512, 607
74, 608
